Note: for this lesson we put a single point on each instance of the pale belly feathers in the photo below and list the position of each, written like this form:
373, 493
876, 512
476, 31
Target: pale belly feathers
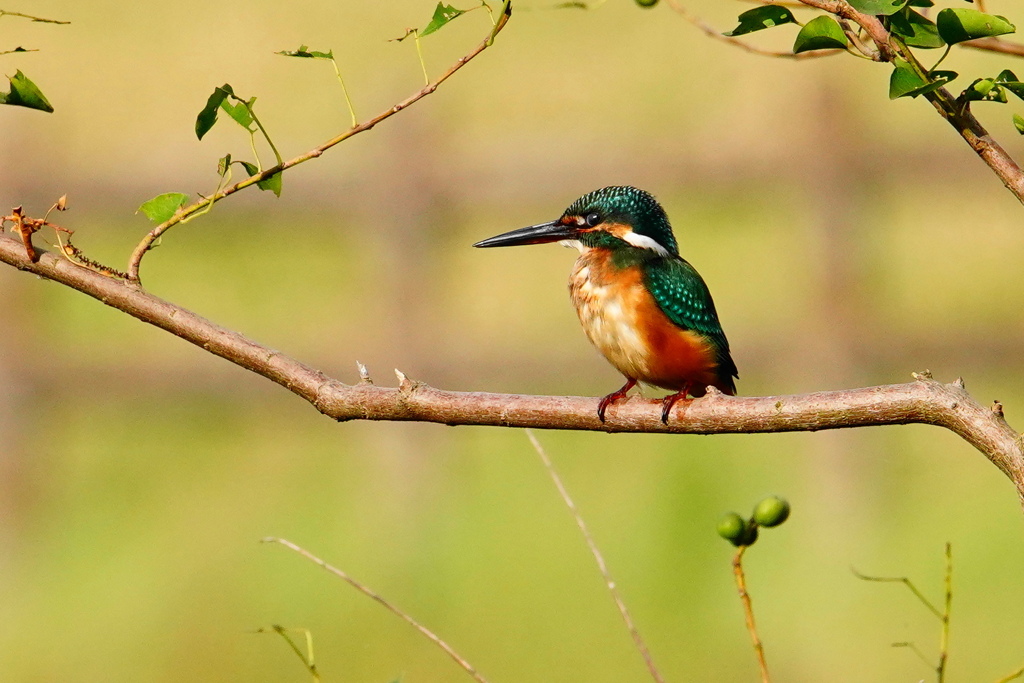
608, 314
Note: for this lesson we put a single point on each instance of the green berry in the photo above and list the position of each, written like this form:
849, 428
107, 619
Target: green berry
647, 3
751, 534
733, 528
771, 511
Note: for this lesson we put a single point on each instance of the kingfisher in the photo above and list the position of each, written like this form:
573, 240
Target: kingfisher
644, 307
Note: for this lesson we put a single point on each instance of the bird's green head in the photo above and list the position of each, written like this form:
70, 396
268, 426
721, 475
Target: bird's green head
611, 217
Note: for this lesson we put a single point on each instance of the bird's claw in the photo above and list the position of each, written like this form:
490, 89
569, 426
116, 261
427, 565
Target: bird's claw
669, 401
611, 398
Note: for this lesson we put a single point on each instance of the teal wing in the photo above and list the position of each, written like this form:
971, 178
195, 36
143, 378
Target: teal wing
683, 296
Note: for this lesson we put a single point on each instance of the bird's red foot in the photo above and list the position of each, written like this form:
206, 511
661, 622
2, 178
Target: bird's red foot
670, 400
614, 396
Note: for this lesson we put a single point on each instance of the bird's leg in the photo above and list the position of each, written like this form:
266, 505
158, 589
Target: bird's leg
614, 396
670, 400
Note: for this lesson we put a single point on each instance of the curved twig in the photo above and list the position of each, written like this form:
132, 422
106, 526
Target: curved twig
712, 32
924, 401
147, 242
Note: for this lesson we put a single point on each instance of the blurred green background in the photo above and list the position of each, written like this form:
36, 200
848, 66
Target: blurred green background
848, 240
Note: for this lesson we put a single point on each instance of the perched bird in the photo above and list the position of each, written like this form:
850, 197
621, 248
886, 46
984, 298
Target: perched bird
645, 308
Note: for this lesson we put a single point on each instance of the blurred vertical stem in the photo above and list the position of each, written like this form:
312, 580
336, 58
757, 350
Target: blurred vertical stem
748, 612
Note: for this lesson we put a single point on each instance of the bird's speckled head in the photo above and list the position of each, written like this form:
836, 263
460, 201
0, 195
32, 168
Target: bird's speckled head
622, 219
628, 213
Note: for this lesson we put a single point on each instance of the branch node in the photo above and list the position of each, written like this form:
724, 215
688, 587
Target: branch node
958, 383
405, 384
364, 374
922, 376
997, 408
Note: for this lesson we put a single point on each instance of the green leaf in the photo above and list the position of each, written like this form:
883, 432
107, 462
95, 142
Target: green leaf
905, 82
921, 3
442, 15
239, 112
162, 207
273, 183
208, 116
305, 52
761, 18
984, 90
916, 30
25, 93
883, 7
223, 164
957, 25
1008, 80
820, 33
1018, 122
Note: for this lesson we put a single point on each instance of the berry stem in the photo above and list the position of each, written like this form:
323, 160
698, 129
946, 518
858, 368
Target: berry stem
748, 612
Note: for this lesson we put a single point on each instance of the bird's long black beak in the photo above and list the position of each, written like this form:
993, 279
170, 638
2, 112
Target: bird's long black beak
535, 234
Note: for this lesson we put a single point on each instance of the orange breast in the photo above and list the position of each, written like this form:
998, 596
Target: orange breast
621, 318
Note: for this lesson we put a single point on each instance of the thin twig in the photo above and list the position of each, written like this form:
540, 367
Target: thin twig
147, 242
307, 659
906, 582
995, 45
5, 13
915, 649
641, 646
748, 612
427, 633
944, 639
1016, 674
712, 32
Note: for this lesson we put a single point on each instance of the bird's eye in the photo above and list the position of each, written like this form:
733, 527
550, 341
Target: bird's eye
593, 219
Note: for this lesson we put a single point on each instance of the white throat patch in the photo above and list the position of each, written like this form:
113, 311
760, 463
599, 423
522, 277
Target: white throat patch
644, 242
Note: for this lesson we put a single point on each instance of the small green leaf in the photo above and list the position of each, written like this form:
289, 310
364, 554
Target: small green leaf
208, 116
223, 164
1018, 122
442, 15
921, 3
984, 90
162, 207
883, 7
25, 93
916, 30
273, 183
239, 112
905, 82
305, 52
820, 33
761, 18
1007, 79
957, 25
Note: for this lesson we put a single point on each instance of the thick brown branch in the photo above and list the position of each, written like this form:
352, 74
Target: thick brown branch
924, 401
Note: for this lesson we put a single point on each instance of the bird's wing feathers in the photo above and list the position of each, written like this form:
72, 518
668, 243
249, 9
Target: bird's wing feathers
683, 297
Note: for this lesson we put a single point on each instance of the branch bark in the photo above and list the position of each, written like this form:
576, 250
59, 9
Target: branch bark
923, 401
